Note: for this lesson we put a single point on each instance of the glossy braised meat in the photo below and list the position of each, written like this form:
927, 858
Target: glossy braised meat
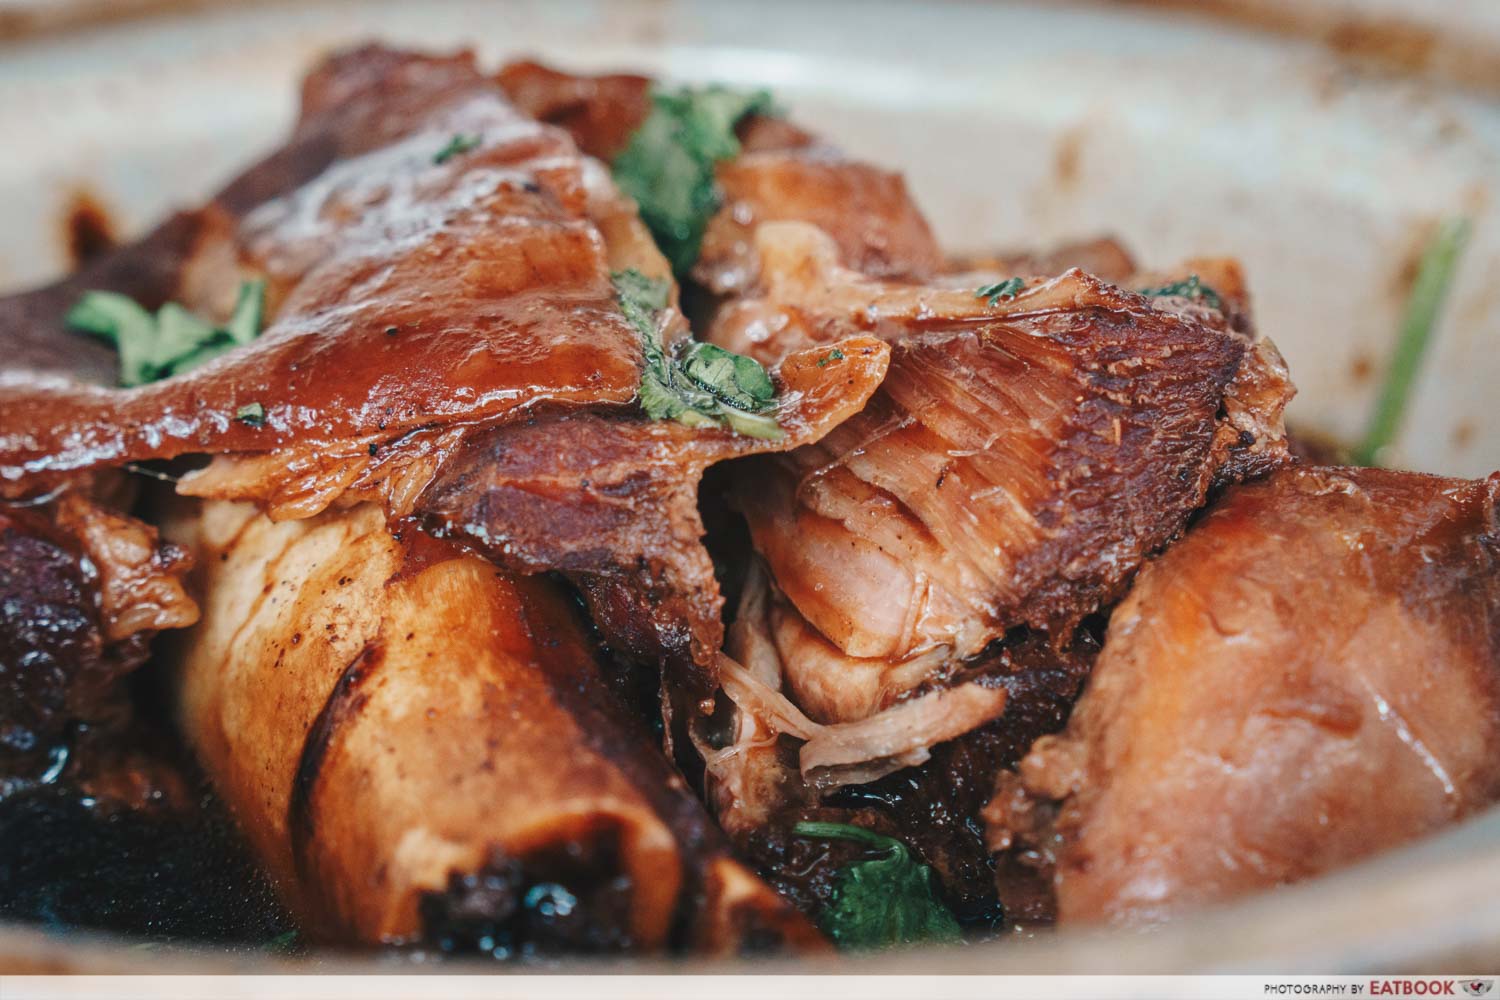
422, 308
385, 359
1311, 676
398, 725
408, 295
1015, 467
1019, 461
599, 112
614, 503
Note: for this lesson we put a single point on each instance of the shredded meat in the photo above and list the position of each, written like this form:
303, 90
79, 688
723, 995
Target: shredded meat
1311, 676
1017, 464
934, 806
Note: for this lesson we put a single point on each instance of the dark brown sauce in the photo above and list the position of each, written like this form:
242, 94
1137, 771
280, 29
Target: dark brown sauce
68, 860
87, 229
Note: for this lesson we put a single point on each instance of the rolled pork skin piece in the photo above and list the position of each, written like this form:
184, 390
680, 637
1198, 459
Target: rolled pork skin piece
389, 715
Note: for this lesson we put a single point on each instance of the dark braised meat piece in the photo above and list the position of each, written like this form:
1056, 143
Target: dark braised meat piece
82, 591
98, 824
1311, 676
614, 504
421, 305
599, 112
428, 314
489, 319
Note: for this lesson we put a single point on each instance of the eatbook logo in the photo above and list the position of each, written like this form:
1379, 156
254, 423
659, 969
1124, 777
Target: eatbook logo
1478, 987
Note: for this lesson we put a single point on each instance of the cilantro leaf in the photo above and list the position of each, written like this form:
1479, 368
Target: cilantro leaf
885, 901
668, 165
833, 355
457, 146
1189, 288
1007, 289
285, 943
1423, 306
172, 341
699, 385
253, 414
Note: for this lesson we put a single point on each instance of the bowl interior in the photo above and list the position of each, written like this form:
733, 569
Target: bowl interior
1017, 125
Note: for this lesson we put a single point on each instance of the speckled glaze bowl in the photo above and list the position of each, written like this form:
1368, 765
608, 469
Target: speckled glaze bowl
1321, 141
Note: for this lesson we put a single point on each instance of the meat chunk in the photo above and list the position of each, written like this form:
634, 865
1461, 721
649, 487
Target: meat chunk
599, 112
614, 502
1311, 676
407, 293
399, 725
783, 175
1024, 455
866, 211
1019, 461
440, 313
82, 592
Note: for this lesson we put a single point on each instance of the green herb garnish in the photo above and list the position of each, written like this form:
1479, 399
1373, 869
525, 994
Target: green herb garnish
699, 385
1434, 276
668, 165
251, 413
1007, 289
884, 901
833, 355
284, 943
1188, 288
458, 145
170, 342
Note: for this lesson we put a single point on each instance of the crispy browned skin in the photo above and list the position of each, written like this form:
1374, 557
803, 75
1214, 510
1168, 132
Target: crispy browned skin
389, 717
1311, 676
